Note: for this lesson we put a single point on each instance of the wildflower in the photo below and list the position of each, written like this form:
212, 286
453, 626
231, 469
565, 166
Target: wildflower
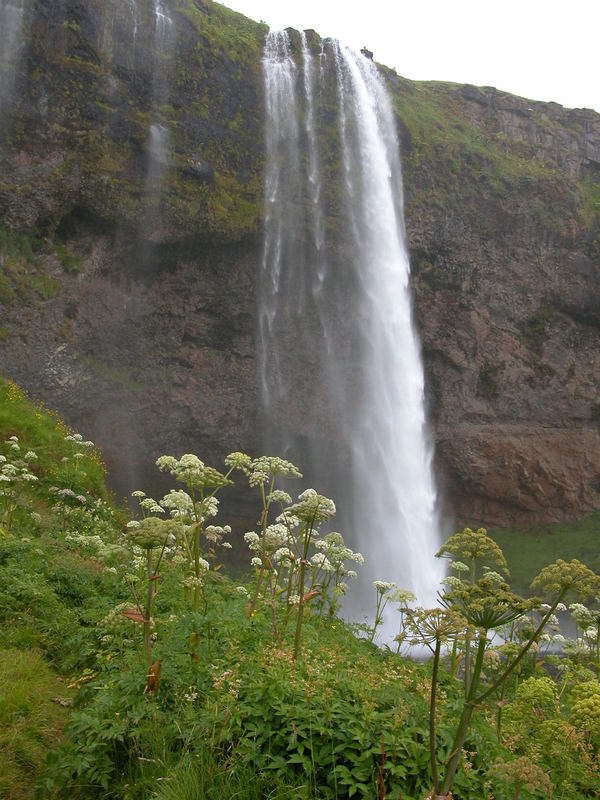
279, 496
133, 523
151, 532
209, 507
138, 493
294, 600
283, 554
252, 539
239, 461
30, 456
321, 561
191, 470
78, 455
312, 507
256, 561
242, 590
276, 535
273, 465
384, 586
257, 478
403, 596
179, 502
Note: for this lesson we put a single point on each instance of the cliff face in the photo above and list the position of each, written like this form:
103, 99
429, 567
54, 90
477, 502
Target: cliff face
131, 197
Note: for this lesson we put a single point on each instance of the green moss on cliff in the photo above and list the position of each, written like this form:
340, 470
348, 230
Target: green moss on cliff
22, 274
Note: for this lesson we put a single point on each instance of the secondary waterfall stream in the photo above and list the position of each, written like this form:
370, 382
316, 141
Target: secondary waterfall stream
342, 379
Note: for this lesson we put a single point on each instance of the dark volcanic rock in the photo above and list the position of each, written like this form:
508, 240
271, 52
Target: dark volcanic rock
127, 292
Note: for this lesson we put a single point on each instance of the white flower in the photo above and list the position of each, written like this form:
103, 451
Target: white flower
294, 599
251, 538
242, 590
179, 502
138, 493
226, 545
256, 561
384, 586
283, 554
279, 496
239, 461
275, 536
30, 456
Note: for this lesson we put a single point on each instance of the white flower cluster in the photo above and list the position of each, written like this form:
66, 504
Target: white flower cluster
384, 587
239, 461
332, 545
179, 503
189, 469
312, 507
279, 496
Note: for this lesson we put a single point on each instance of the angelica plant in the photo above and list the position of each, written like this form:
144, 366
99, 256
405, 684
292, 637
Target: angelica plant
150, 536
262, 474
15, 478
330, 570
487, 605
383, 590
202, 484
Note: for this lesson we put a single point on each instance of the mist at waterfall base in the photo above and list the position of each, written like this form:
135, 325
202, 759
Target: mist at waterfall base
342, 379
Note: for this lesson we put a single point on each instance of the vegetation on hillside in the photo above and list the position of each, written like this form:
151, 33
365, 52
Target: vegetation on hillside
132, 667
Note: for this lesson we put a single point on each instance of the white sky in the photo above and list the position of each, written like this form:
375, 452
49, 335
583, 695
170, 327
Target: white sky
539, 49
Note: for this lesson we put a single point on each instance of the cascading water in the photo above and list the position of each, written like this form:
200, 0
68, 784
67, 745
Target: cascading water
342, 379
163, 22
12, 20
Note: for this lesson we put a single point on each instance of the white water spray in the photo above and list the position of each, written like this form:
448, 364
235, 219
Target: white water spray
12, 18
341, 371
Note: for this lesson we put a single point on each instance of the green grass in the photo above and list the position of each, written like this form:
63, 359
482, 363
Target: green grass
42, 430
528, 551
31, 718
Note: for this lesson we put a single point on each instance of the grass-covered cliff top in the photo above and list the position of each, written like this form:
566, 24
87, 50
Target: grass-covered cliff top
102, 88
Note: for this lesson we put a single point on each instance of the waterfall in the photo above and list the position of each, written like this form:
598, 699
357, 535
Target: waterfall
163, 22
12, 16
342, 380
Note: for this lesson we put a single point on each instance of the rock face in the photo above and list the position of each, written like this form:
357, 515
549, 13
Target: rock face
131, 162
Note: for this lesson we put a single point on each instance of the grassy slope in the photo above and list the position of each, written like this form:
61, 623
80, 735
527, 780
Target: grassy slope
242, 720
43, 588
528, 551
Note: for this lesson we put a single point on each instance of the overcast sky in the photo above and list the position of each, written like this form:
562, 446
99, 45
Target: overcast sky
540, 49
